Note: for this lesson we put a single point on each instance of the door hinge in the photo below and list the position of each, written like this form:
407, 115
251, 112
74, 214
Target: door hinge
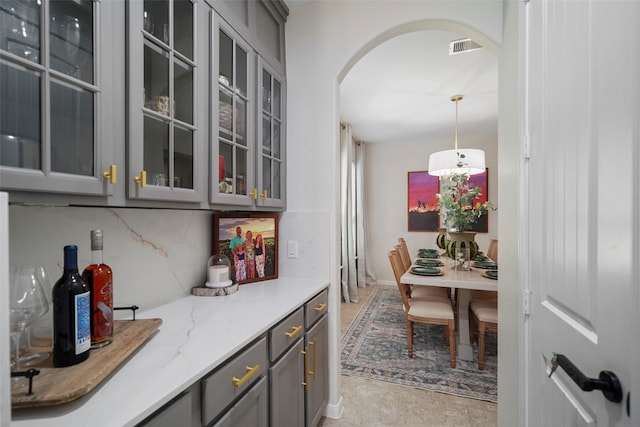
526, 148
526, 303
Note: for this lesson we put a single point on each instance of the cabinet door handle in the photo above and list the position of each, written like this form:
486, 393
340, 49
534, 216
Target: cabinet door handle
254, 193
142, 179
321, 307
306, 364
110, 174
264, 195
251, 371
315, 358
294, 332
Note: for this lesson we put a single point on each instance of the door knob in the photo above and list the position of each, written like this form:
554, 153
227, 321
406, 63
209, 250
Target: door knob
607, 382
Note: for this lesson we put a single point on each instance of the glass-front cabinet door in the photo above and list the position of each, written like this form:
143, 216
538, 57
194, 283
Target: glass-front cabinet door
52, 107
232, 86
163, 127
270, 138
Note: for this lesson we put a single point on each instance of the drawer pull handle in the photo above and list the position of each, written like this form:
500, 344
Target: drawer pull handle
306, 364
250, 372
295, 331
321, 307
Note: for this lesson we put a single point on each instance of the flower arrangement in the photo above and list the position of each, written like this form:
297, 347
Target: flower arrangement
457, 201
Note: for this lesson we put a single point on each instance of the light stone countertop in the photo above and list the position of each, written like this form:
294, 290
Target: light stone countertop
197, 334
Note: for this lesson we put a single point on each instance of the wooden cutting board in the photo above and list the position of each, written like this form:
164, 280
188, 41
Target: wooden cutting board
54, 386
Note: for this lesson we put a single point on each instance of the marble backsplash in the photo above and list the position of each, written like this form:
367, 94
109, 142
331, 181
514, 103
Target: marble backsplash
157, 255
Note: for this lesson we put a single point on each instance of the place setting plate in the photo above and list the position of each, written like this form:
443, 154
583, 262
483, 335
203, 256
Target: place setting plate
491, 274
489, 265
429, 262
428, 253
426, 271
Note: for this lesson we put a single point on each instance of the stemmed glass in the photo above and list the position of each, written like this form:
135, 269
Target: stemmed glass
40, 329
27, 302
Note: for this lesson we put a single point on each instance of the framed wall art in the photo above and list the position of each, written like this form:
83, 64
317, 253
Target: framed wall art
251, 243
423, 212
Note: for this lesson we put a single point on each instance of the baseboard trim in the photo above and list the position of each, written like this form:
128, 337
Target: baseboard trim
334, 411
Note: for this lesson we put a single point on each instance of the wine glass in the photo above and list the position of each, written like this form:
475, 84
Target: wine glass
40, 328
27, 302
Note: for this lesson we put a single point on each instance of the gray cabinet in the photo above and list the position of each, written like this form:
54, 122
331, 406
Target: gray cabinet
286, 374
231, 382
316, 362
55, 109
166, 72
178, 412
250, 411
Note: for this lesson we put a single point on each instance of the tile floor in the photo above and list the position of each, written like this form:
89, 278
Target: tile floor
375, 403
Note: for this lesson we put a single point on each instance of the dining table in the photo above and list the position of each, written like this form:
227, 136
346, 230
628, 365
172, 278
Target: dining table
463, 281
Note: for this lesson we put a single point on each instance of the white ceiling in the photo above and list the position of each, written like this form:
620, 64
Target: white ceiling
401, 90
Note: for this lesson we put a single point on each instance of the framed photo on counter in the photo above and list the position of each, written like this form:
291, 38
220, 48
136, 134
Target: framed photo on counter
251, 243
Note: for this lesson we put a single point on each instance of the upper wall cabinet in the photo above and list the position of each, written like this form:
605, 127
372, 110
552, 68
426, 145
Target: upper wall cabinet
165, 134
54, 119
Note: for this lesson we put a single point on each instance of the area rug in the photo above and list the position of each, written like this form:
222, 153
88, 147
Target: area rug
375, 347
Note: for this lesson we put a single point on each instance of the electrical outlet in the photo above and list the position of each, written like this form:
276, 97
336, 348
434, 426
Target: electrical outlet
292, 248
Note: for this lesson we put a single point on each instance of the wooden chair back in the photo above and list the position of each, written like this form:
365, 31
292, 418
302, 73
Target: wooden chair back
492, 252
398, 271
406, 262
404, 253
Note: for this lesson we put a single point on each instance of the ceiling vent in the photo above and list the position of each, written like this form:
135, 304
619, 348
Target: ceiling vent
463, 45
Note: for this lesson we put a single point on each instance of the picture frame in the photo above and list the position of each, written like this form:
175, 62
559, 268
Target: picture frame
247, 264
423, 213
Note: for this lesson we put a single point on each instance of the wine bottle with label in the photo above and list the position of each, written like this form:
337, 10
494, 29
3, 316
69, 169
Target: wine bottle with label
99, 277
71, 321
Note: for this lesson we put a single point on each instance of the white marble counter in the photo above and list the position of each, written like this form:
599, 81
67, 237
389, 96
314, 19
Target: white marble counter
197, 334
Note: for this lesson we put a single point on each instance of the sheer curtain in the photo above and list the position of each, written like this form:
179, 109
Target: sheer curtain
356, 271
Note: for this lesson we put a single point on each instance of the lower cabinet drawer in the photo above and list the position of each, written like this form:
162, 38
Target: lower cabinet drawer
175, 413
233, 379
284, 334
316, 308
252, 410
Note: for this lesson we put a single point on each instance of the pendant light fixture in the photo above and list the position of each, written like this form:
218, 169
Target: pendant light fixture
458, 160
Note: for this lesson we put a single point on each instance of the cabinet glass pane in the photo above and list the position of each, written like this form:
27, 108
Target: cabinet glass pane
225, 55
266, 91
20, 29
183, 158
183, 27
72, 133
277, 109
241, 171
276, 140
71, 31
225, 168
156, 19
241, 71
225, 114
266, 135
156, 79
241, 122
19, 117
156, 149
266, 175
275, 189
183, 91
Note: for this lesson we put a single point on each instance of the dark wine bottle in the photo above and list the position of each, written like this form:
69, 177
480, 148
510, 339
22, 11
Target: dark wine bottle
71, 321
100, 280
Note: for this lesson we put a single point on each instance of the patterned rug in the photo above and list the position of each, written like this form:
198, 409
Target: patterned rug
375, 347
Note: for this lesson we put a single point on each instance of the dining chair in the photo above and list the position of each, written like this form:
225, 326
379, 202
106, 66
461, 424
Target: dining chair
483, 314
492, 251
429, 310
417, 291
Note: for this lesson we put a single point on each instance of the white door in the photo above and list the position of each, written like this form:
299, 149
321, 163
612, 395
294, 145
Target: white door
582, 208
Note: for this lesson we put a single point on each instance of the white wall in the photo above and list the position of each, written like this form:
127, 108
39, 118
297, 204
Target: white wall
386, 168
324, 39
